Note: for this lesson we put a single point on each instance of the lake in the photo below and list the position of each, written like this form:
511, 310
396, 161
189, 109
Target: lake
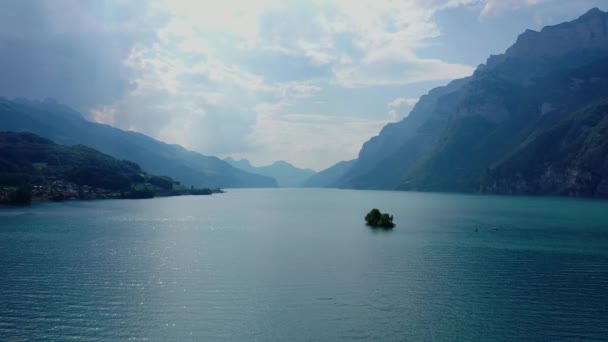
300, 265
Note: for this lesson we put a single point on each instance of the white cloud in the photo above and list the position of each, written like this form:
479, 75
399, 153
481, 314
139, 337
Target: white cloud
194, 84
397, 103
235, 17
207, 106
494, 7
384, 35
416, 70
412, 101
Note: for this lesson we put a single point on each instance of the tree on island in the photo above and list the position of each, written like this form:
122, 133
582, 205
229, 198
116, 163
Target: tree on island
377, 219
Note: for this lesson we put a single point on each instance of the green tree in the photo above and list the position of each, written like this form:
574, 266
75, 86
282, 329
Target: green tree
375, 218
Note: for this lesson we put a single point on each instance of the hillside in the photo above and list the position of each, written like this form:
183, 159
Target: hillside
286, 175
329, 176
66, 126
461, 137
576, 166
61, 172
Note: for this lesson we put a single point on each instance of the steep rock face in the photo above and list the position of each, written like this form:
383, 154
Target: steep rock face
383, 145
474, 140
65, 126
567, 45
569, 159
417, 128
588, 32
460, 134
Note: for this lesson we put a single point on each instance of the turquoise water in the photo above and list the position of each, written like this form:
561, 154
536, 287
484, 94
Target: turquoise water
300, 265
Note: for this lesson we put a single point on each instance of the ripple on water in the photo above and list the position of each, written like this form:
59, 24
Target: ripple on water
293, 265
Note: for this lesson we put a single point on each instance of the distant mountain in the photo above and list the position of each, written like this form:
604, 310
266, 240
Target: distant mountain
330, 175
527, 104
66, 126
286, 175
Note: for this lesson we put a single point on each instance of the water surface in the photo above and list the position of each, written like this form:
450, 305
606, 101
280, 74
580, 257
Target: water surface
300, 265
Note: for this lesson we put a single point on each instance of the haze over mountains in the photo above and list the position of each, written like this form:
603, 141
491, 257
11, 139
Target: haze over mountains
529, 121
286, 175
65, 126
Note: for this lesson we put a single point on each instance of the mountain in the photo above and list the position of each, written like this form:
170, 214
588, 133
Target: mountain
26, 158
66, 126
577, 166
286, 175
29, 162
329, 176
472, 134
385, 157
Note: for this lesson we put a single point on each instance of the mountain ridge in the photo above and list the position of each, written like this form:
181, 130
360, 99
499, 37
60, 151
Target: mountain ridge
457, 133
286, 174
325, 178
33, 167
65, 126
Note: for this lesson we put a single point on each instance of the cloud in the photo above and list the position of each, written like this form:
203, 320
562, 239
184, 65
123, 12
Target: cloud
492, 8
70, 50
366, 43
411, 71
206, 104
397, 103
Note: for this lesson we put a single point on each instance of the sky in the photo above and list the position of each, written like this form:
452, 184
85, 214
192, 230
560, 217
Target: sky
307, 82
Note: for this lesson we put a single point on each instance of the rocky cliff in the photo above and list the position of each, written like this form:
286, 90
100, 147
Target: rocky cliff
463, 137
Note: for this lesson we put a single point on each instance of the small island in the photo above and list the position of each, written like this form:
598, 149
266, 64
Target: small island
377, 219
